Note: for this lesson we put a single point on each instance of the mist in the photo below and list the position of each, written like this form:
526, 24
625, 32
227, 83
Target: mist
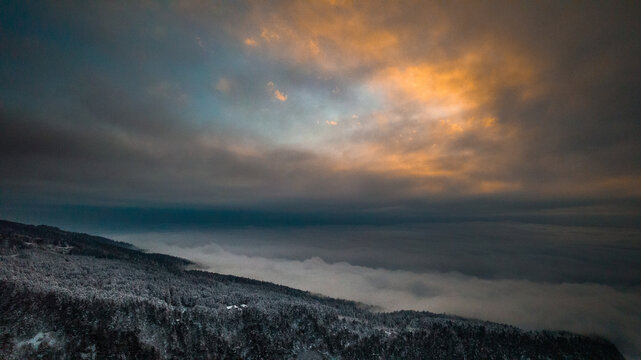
579, 279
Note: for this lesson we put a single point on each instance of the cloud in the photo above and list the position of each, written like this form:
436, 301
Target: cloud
463, 69
278, 95
579, 307
224, 85
250, 42
269, 35
461, 107
200, 43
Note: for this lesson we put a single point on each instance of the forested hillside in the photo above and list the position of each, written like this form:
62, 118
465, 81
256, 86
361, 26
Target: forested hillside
76, 296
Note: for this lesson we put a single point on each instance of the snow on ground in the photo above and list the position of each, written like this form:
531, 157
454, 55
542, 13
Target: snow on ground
242, 306
38, 339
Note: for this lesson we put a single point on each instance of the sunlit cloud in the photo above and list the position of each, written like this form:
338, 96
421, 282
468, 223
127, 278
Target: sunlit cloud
432, 101
448, 103
250, 42
269, 35
277, 94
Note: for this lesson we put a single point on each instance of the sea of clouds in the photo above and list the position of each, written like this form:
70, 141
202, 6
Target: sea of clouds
532, 276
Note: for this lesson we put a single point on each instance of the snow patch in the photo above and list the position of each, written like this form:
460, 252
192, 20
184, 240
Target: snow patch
37, 340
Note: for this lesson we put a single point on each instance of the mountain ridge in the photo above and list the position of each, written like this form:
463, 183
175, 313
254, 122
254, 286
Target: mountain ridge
72, 295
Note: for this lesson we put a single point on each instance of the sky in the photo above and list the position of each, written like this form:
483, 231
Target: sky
460, 157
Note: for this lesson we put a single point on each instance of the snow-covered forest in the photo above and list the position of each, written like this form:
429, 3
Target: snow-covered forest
76, 296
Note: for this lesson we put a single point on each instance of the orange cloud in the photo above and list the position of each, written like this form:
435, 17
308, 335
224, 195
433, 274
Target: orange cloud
437, 89
278, 95
335, 36
269, 35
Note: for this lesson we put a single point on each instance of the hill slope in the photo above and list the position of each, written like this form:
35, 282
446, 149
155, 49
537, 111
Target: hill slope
76, 296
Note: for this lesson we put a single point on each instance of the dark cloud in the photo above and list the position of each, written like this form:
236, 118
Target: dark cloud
132, 86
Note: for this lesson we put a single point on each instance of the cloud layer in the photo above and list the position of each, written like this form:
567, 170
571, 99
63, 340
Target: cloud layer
397, 101
587, 308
